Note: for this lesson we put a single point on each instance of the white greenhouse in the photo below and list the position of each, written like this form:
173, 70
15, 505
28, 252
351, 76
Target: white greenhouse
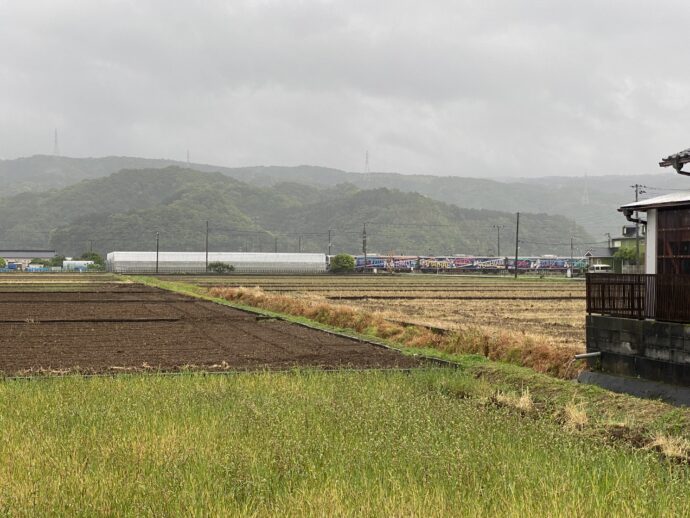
195, 262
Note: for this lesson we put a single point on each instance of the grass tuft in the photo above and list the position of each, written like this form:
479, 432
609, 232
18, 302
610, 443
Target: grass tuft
523, 403
575, 416
672, 447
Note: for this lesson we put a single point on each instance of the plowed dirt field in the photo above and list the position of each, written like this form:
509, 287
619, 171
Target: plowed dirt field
125, 327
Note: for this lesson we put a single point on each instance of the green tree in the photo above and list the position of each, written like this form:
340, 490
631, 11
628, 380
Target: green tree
219, 267
628, 254
3, 263
93, 256
55, 261
342, 263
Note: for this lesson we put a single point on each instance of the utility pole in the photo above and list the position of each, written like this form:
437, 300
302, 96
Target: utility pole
638, 191
157, 248
517, 243
329, 242
498, 238
572, 269
299, 247
206, 241
364, 245
275, 244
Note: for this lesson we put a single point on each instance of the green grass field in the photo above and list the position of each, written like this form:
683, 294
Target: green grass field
309, 443
433, 442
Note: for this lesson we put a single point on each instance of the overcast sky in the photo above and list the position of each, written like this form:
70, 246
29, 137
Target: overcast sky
457, 87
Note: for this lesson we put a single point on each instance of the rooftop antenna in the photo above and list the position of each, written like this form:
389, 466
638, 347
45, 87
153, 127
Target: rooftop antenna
366, 162
56, 148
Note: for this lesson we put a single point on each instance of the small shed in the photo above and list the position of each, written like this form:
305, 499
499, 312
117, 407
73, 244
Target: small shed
76, 266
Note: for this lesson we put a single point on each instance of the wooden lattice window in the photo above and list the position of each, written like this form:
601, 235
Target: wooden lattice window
673, 241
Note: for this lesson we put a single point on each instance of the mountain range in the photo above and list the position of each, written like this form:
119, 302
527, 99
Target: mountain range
590, 202
127, 209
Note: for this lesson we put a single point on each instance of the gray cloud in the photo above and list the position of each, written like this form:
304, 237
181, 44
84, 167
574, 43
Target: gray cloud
480, 88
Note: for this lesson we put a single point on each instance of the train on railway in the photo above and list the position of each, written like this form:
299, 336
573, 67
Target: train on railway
458, 264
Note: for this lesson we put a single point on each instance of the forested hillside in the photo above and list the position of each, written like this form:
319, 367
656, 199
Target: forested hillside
126, 209
590, 202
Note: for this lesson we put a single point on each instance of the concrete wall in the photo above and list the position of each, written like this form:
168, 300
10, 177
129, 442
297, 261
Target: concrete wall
649, 349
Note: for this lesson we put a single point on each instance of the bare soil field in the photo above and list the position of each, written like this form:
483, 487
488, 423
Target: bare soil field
129, 327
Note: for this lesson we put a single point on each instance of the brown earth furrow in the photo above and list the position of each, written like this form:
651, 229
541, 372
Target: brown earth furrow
67, 331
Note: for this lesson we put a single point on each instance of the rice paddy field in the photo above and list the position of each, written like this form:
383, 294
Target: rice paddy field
553, 307
478, 438
536, 322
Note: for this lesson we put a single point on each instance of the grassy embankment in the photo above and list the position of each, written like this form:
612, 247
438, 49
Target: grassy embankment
311, 443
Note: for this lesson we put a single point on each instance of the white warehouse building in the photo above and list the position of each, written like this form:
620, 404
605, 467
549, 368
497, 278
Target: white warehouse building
195, 262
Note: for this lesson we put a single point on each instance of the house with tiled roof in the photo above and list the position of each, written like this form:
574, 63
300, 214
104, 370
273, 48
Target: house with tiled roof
638, 325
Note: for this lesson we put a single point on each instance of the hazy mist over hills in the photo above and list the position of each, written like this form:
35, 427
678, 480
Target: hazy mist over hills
591, 202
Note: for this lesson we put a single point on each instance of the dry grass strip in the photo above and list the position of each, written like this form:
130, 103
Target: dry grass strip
504, 345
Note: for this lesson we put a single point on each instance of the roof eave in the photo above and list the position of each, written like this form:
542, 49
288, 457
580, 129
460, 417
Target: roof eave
671, 162
644, 208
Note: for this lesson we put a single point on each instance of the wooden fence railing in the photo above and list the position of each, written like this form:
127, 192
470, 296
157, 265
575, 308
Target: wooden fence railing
662, 297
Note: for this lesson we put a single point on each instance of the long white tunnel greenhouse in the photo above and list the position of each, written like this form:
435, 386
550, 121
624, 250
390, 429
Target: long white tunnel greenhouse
195, 262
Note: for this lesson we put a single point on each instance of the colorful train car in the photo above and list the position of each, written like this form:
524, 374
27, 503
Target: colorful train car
394, 263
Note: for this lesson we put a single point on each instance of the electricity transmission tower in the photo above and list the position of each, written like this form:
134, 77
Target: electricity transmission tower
56, 147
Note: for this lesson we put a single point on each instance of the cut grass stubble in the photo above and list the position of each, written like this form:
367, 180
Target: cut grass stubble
505, 345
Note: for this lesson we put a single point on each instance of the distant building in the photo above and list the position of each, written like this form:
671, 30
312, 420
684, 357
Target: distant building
607, 254
600, 255
76, 266
24, 257
628, 236
196, 262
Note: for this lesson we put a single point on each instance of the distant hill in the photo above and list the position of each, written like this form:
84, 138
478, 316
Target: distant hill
590, 202
126, 209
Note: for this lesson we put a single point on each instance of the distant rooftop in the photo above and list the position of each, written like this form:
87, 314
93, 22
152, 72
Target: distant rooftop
27, 254
599, 251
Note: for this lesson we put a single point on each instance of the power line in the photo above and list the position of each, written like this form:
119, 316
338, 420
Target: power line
563, 244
